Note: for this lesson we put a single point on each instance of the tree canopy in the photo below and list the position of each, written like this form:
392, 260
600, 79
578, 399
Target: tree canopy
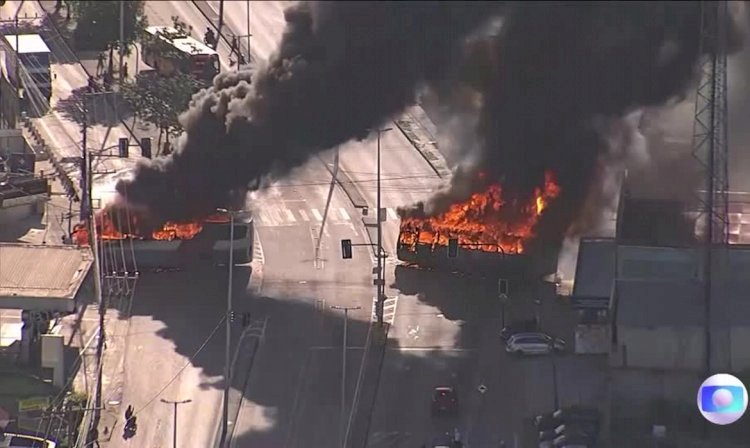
159, 100
98, 23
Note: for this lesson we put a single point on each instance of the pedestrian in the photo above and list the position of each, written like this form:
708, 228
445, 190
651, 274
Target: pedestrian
100, 64
125, 70
235, 47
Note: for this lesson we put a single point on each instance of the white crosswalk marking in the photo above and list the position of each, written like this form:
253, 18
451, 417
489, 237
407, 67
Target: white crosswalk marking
392, 215
289, 215
317, 214
303, 214
344, 214
389, 309
264, 217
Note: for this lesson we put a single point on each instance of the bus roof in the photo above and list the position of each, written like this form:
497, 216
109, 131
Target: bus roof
27, 43
183, 43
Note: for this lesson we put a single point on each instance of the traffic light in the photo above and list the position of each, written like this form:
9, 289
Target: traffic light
123, 147
232, 316
453, 247
146, 147
346, 249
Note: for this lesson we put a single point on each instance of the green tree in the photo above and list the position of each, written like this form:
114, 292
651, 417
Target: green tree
159, 100
98, 23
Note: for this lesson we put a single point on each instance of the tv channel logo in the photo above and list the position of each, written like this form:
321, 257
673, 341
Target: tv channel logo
722, 399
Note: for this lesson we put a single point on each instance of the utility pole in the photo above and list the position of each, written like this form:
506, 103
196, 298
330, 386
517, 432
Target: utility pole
342, 426
380, 282
228, 342
249, 53
18, 62
711, 148
122, 37
318, 264
221, 24
175, 403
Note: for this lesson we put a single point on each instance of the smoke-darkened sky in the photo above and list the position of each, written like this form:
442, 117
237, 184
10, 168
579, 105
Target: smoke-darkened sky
553, 82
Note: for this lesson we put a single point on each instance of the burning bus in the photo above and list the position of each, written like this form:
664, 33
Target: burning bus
490, 234
172, 243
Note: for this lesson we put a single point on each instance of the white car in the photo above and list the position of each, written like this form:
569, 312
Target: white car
10, 440
533, 344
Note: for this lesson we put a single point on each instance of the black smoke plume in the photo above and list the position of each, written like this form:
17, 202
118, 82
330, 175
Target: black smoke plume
341, 69
562, 75
552, 81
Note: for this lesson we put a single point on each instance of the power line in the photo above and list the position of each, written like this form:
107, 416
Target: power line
188, 363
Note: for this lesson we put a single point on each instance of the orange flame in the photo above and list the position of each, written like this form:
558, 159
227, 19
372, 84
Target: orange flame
477, 222
107, 230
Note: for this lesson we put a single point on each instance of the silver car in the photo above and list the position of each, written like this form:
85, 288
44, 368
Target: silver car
533, 344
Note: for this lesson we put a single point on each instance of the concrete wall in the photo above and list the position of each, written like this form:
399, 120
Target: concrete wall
661, 348
681, 349
739, 348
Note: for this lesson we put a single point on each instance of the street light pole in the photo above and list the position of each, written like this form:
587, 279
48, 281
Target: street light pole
122, 38
346, 310
380, 281
175, 403
228, 342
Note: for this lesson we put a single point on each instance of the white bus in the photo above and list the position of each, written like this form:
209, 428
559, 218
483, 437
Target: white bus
171, 51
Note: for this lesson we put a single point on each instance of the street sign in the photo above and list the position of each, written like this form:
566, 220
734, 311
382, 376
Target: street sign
33, 404
502, 288
482, 388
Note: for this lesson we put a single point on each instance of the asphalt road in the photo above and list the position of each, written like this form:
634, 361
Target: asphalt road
447, 333
297, 294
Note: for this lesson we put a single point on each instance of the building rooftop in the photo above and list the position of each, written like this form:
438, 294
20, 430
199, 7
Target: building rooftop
663, 286
27, 43
41, 272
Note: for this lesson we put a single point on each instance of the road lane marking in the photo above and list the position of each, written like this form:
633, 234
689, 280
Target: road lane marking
289, 215
344, 214
317, 214
303, 214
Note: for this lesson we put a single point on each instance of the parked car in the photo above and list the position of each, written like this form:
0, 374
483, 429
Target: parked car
521, 326
534, 344
560, 416
444, 401
11, 440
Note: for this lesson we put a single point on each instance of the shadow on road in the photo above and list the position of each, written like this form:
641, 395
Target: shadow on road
105, 108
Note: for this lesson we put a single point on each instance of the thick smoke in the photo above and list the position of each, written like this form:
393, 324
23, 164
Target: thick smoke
554, 89
566, 76
342, 68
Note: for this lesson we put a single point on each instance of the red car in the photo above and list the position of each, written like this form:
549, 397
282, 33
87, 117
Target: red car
444, 401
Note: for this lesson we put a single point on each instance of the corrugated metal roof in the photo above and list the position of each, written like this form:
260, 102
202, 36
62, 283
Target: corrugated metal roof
42, 271
27, 43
